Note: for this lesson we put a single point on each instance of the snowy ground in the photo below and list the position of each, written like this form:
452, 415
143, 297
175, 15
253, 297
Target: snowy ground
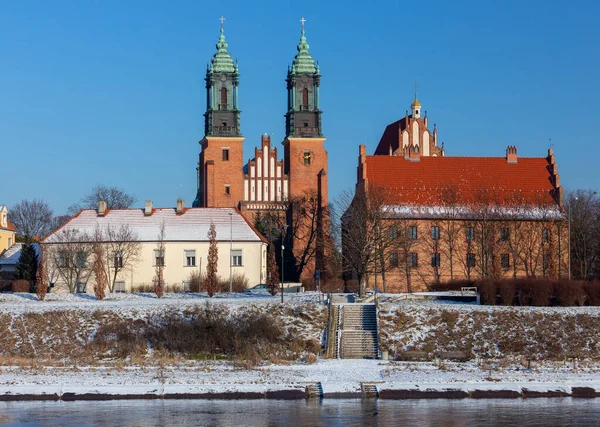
25, 302
336, 376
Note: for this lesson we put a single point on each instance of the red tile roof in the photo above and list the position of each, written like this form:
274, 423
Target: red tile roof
11, 226
424, 182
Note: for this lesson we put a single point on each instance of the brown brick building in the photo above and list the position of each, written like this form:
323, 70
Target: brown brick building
264, 184
445, 218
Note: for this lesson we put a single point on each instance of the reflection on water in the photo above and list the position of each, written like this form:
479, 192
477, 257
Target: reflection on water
327, 412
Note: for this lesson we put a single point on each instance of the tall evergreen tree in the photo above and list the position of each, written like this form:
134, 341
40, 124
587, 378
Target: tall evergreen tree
27, 265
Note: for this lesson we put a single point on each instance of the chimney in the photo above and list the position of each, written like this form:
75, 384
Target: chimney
101, 208
180, 206
148, 208
511, 154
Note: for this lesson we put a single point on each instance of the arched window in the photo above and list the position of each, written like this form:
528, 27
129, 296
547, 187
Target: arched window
223, 98
305, 97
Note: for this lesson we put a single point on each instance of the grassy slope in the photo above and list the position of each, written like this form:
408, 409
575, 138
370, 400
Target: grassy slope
496, 332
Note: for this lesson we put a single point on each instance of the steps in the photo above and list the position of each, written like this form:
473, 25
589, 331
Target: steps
369, 391
314, 390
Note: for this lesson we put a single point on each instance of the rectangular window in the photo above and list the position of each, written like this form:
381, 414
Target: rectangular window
413, 259
435, 260
504, 234
159, 258
190, 258
470, 260
394, 260
81, 260
236, 258
120, 286
225, 155
227, 190
435, 233
393, 232
504, 261
546, 262
412, 232
117, 260
545, 235
470, 233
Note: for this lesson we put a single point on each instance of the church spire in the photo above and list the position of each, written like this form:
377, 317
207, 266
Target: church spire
303, 117
303, 62
416, 106
222, 117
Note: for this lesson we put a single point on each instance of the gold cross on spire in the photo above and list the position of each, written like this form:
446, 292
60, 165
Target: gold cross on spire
222, 22
416, 86
303, 21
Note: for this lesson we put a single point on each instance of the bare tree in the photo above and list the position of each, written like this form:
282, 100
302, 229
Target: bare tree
159, 283
41, 280
121, 249
450, 224
361, 225
584, 209
32, 218
114, 197
212, 280
68, 254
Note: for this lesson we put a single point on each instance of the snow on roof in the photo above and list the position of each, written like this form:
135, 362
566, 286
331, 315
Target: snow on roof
191, 226
549, 213
11, 255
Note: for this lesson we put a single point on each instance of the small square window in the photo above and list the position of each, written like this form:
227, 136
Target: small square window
190, 258
227, 190
225, 154
159, 258
236, 258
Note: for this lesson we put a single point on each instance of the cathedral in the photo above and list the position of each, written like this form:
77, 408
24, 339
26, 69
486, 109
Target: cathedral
265, 183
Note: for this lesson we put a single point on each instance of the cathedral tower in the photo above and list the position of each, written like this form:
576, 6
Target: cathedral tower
304, 146
220, 175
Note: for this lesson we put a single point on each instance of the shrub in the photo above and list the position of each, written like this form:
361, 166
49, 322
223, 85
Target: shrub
569, 293
507, 290
541, 292
195, 280
488, 292
454, 285
20, 286
592, 290
239, 283
5, 285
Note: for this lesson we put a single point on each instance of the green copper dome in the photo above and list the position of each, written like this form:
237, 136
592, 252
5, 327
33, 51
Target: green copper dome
221, 61
303, 62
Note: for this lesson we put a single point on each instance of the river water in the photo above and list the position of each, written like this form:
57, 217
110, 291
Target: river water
327, 412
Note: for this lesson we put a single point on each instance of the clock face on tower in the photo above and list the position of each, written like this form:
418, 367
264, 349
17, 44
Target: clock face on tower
306, 157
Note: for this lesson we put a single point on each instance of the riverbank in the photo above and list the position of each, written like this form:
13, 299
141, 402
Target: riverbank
337, 379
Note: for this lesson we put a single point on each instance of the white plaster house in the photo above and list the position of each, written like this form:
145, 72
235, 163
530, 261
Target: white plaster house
186, 243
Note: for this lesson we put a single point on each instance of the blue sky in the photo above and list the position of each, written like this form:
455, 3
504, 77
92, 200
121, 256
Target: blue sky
112, 92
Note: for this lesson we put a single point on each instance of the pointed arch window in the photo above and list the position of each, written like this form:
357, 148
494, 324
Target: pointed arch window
223, 105
305, 99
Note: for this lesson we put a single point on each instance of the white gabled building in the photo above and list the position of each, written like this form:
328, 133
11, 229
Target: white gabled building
186, 243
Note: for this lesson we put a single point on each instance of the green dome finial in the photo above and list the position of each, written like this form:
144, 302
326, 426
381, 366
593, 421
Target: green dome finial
303, 62
222, 61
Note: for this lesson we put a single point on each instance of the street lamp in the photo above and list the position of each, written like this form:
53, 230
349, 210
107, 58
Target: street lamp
284, 228
230, 252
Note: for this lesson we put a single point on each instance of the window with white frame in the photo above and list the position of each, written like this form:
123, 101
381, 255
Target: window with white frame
236, 258
190, 258
159, 258
118, 260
